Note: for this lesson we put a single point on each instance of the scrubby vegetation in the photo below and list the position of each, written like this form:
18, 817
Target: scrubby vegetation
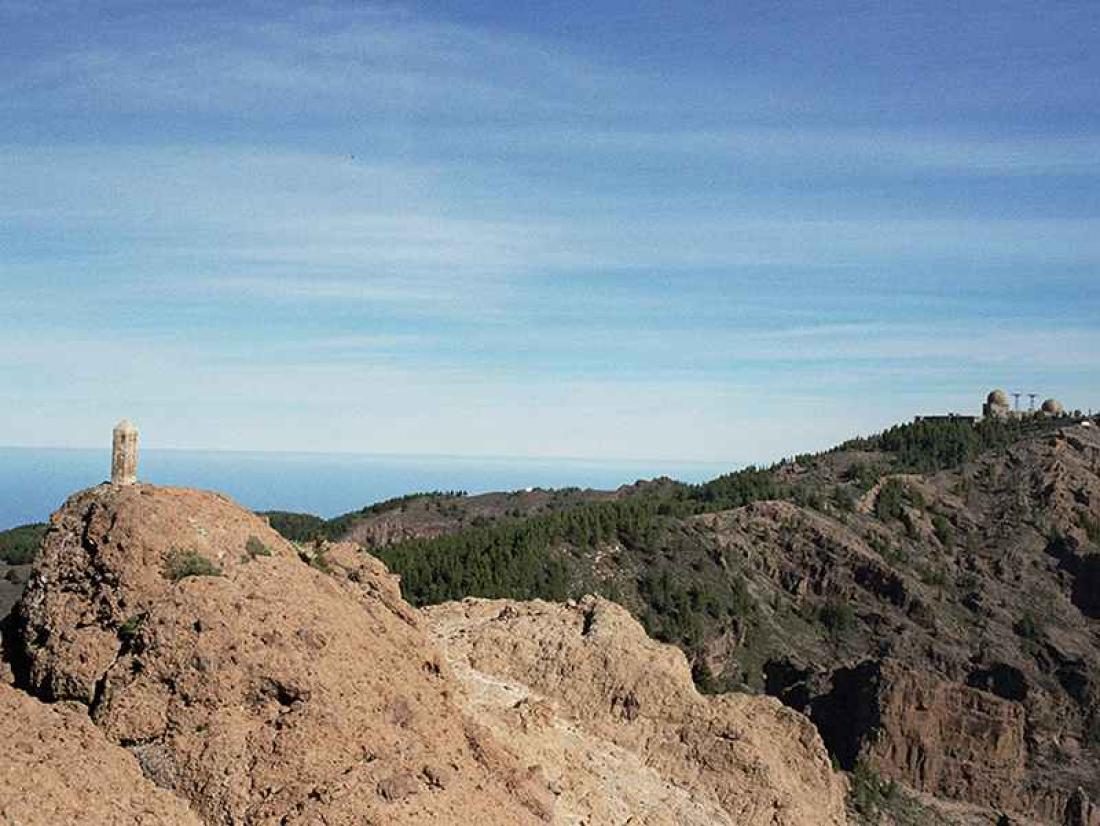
869, 794
928, 446
524, 558
129, 629
255, 547
837, 616
319, 560
338, 526
183, 563
19, 546
873, 801
684, 590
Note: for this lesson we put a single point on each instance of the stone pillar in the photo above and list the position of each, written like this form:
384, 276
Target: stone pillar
124, 454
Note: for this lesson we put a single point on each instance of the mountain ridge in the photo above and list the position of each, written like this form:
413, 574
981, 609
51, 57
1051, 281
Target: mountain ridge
939, 560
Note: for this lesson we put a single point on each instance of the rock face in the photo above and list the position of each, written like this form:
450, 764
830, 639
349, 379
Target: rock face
950, 740
219, 674
272, 692
554, 679
56, 767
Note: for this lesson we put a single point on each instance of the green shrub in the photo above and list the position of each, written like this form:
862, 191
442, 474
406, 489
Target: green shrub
838, 617
129, 629
935, 577
703, 678
184, 563
863, 474
945, 531
869, 794
1091, 527
881, 545
890, 502
254, 547
844, 499
320, 562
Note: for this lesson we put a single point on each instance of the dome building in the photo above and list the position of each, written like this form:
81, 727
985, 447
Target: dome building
996, 405
1052, 407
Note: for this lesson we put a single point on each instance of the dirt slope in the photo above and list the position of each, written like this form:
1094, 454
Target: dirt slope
970, 665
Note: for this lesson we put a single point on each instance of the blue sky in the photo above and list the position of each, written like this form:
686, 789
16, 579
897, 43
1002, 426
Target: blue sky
683, 231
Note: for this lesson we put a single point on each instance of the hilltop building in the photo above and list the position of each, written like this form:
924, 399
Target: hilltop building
1052, 407
939, 418
997, 406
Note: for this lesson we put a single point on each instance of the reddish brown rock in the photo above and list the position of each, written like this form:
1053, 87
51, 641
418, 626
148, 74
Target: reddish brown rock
56, 767
947, 739
271, 692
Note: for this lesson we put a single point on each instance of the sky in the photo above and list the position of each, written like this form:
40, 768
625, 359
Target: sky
620, 230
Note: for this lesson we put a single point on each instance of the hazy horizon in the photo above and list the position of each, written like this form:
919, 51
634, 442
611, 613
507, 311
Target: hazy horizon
35, 481
106, 452
641, 231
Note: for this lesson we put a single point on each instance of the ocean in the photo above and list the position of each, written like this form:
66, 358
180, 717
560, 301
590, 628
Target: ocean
35, 481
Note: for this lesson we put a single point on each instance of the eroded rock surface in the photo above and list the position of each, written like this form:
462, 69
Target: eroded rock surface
618, 726
57, 767
951, 740
271, 692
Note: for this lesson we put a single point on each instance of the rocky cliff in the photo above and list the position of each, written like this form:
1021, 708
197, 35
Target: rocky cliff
213, 672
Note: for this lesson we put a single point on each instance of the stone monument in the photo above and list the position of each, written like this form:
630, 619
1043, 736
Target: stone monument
124, 454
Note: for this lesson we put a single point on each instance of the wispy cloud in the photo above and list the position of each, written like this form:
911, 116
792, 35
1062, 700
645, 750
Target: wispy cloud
325, 60
814, 149
376, 229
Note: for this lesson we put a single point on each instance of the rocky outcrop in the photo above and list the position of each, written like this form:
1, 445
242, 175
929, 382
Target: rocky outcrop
224, 675
555, 679
938, 737
266, 690
57, 767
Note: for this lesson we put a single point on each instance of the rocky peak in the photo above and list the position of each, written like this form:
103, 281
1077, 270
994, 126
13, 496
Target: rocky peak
233, 677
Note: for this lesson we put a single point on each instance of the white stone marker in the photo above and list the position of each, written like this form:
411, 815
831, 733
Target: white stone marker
124, 454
